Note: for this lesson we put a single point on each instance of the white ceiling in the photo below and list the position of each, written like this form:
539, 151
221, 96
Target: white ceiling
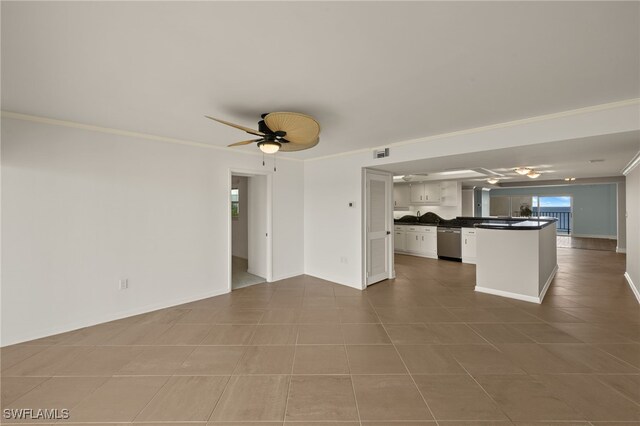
371, 73
555, 160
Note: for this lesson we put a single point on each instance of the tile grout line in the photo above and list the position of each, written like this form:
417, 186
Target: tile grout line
408, 371
346, 354
487, 393
293, 363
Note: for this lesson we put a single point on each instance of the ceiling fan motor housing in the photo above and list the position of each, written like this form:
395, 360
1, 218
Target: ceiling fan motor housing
262, 127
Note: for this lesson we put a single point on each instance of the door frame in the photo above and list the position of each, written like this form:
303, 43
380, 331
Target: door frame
364, 221
269, 211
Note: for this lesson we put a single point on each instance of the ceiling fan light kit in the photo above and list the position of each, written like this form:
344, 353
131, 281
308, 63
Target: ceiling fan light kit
269, 147
522, 170
533, 174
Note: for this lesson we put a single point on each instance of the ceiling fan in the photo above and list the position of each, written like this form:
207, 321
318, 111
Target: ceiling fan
281, 131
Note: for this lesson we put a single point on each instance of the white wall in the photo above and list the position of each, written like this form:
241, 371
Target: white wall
547, 255
633, 230
333, 230
621, 210
83, 209
239, 226
467, 202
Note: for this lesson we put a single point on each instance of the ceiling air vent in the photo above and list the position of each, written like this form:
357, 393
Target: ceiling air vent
381, 153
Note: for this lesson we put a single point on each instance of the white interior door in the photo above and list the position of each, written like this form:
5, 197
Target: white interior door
257, 225
378, 226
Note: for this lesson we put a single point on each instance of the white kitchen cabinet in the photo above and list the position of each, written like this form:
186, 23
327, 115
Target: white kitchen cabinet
432, 192
417, 240
399, 241
468, 245
449, 193
416, 193
413, 242
429, 243
401, 195
425, 193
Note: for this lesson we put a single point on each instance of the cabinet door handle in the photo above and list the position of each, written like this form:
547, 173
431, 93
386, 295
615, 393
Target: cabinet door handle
423, 238
465, 241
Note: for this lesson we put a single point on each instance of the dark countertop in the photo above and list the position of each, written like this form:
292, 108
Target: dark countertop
491, 222
525, 225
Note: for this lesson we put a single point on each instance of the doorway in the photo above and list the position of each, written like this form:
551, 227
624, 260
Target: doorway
559, 207
378, 223
250, 229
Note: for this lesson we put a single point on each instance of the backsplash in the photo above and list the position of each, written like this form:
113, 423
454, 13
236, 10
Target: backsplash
443, 212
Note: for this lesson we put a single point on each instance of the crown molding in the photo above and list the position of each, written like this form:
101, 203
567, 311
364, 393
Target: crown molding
536, 119
632, 164
127, 133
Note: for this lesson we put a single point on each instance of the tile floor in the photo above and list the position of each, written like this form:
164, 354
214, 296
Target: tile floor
240, 277
423, 349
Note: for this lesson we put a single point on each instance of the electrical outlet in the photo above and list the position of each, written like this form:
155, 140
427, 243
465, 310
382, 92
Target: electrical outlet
124, 284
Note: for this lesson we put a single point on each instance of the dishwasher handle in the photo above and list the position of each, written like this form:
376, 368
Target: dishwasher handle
453, 231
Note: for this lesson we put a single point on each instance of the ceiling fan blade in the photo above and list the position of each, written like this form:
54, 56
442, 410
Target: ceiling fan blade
237, 126
245, 142
300, 128
292, 147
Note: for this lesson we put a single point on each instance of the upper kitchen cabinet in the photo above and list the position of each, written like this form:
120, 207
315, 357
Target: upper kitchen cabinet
401, 196
449, 193
425, 193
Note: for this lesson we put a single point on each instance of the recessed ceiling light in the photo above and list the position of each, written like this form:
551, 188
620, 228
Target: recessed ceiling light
570, 179
493, 181
533, 174
522, 170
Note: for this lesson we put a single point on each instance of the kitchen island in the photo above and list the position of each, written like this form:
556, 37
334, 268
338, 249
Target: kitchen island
516, 259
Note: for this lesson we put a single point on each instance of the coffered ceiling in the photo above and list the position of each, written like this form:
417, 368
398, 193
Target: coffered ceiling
594, 157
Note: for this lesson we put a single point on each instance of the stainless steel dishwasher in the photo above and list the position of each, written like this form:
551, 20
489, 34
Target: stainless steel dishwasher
449, 244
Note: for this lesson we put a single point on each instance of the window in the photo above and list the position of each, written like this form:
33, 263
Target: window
235, 203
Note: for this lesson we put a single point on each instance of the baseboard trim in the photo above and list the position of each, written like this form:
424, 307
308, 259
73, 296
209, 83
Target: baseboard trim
508, 294
604, 237
547, 284
634, 289
287, 276
621, 250
410, 253
335, 281
111, 317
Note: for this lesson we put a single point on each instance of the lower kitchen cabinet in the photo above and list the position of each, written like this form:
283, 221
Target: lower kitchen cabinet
468, 245
416, 240
400, 241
